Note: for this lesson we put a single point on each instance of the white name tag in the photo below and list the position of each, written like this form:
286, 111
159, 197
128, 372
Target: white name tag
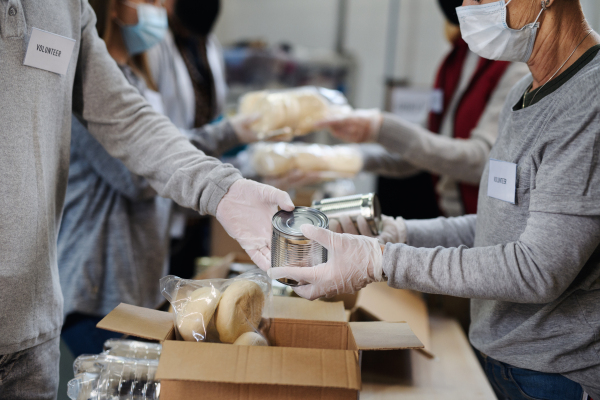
49, 51
502, 180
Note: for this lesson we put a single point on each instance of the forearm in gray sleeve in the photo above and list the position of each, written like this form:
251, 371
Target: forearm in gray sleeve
378, 160
537, 268
445, 232
145, 141
460, 159
213, 139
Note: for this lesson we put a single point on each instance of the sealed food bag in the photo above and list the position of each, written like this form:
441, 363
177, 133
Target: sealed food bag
284, 114
221, 310
333, 162
106, 377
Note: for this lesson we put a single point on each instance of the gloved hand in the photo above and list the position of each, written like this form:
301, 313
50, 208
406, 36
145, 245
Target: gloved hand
241, 124
294, 179
354, 262
357, 127
393, 229
246, 212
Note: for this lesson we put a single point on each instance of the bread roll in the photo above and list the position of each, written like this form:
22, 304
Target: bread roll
240, 310
272, 160
251, 339
195, 315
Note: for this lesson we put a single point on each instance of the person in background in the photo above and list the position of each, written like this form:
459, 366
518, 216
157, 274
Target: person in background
530, 258
188, 68
456, 144
113, 244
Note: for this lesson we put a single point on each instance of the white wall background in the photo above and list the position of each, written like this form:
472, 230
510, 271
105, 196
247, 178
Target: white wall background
312, 24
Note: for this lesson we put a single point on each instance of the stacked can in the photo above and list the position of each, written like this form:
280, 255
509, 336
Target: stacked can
289, 247
366, 205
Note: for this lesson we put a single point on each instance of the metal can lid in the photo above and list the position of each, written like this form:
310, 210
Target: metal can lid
289, 222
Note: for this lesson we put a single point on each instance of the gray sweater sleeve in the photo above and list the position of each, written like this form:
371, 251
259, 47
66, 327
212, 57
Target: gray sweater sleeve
112, 171
537, 268
378, 160
145, 141
460, 159
213, 139
445, 232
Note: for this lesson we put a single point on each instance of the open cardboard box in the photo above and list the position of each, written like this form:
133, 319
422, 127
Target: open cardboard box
316, 358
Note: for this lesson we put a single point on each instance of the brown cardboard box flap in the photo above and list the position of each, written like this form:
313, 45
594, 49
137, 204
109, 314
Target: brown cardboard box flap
380, 302
214, 362
140, 322
298, 308
384, 336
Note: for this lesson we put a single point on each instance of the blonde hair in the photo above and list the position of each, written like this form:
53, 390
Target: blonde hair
104, 26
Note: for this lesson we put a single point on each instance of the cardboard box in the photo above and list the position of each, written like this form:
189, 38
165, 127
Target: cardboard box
309, 359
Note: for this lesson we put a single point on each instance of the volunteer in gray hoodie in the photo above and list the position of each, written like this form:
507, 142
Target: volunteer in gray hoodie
530, 257
53, 64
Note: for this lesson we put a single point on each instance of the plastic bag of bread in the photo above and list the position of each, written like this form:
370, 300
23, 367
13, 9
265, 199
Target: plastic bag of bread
284, 114
232, 311
332, 162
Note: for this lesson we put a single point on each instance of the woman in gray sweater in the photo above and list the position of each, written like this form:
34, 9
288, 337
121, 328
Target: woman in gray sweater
530, 258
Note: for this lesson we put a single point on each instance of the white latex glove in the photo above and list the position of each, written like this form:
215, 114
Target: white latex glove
357, 127
241, 124
294, 179
345, 225
393, 229
354, 262
246, 212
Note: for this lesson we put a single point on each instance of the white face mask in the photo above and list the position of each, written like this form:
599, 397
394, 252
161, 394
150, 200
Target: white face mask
485, 30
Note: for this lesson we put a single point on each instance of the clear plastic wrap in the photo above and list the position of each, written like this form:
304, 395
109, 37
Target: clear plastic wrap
106, 377
132, 349
283, 114
220, 310
332, 162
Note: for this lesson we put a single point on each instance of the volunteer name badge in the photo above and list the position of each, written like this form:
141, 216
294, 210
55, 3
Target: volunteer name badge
502, 180
49, 51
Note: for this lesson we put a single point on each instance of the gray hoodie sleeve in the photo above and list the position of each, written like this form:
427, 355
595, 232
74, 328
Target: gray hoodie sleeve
145, 141
460, 159
445, 232
378, 160
214, 139
537, 268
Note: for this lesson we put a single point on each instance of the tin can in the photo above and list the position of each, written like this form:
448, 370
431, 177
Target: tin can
289, 247
366, 205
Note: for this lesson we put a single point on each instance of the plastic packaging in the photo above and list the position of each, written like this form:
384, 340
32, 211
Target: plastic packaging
334, 162
106, 377
132, 349
219, 310
284, 114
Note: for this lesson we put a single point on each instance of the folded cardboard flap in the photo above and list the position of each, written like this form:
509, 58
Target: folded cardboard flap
379, 302
384, 336
140, 322
214, 362
309, 334
298, 308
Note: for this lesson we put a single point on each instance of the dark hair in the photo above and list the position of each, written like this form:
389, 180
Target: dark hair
449, 9
138, 63
197, 16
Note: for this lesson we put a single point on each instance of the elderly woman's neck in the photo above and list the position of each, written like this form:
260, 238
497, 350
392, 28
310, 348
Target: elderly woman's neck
560, 32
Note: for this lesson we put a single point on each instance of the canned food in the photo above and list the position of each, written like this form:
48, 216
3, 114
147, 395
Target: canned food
354, 206
289, 247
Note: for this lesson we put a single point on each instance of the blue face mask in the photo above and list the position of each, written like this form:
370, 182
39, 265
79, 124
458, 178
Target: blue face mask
149, 31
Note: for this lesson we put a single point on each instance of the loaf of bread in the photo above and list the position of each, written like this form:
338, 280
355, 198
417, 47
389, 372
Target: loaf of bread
278, 159
296, 109
240, 310
251, 339
196, 314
